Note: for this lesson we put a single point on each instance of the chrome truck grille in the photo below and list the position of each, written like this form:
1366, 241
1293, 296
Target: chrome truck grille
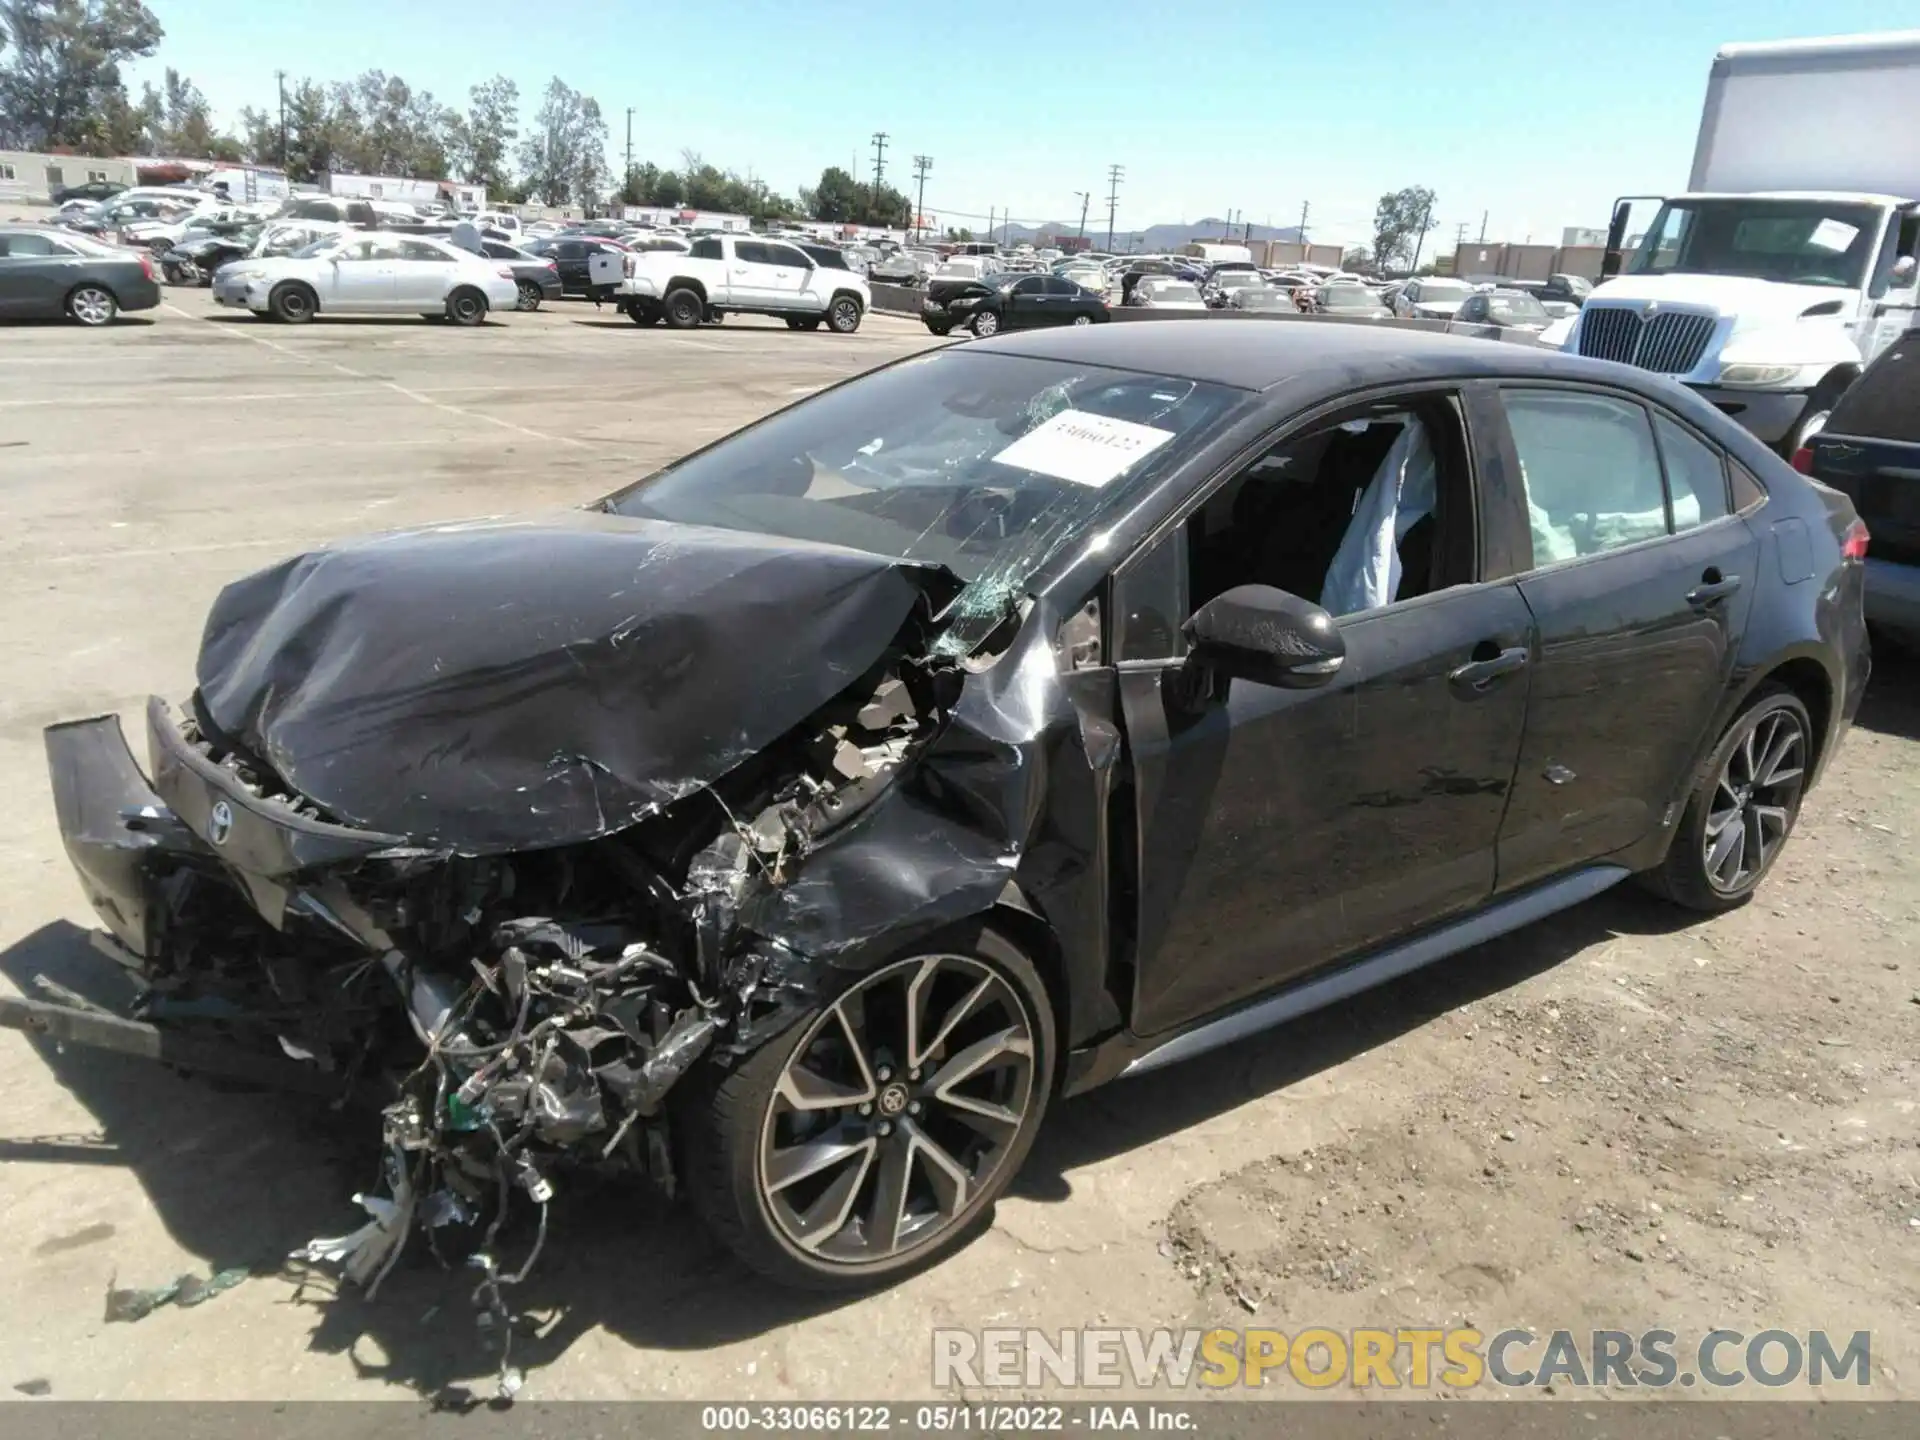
1670, 341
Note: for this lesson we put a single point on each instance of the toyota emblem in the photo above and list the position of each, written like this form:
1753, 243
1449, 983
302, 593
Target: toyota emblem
220, 822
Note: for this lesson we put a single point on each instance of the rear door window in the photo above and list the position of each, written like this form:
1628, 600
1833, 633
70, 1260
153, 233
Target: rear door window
751, 252
706, 249
1884, 403
1591, 471
1696, 476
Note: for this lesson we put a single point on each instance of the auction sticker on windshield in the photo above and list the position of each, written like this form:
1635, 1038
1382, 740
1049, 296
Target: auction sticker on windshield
1085, 448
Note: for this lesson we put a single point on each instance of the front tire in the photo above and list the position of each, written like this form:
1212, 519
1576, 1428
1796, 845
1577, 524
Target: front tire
684, 309
872, 1137
843, 315
292, 304
986, 323
1743, 808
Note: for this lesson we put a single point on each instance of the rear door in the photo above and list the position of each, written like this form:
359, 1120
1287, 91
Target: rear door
571, 257
1640, 581
422, 275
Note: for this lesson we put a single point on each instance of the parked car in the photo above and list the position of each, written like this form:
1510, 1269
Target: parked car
1562, 295
727, 274
573, 256
1167, 292
1220, 286
91, 191
1087, 277
536, 277
195, 261
1009, 301
896, 267
1869, 450
1356, 302
370, 274
1510, 309
1261, 297
46, 273
793, 785
1430, 298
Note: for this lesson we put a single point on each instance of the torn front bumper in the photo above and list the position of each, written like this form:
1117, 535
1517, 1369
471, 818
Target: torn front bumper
128, 836
121, 837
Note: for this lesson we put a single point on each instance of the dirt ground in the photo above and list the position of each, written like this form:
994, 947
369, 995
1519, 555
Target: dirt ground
1621, 1118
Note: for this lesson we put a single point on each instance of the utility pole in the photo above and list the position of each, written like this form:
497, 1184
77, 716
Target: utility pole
921, 165
1459, 235
280, 79
1086, 198
879, 163
1115, 174
629, 175
1483, 227
1419, 239
1303, 224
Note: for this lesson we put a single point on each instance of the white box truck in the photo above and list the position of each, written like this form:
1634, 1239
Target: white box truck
1790, 261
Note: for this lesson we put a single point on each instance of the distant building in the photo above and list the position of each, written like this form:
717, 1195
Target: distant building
408, 192
1575, 236
1526, 262
1278, 254
25, 175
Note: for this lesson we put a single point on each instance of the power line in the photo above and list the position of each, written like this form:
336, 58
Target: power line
1115, 174
879, 163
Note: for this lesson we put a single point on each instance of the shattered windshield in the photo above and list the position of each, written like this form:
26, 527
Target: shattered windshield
990, 465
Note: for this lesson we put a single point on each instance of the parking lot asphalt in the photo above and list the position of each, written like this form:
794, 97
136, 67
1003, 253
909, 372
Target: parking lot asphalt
1621, 1117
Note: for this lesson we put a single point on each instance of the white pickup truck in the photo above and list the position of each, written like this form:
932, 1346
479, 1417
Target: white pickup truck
1791, 261
731, 275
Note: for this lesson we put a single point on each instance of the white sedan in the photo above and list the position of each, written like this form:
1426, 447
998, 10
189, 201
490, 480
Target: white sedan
370, 274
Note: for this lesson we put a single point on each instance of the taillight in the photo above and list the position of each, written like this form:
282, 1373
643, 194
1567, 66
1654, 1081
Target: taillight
1803, 460
554, 265
146, 264
1853, 545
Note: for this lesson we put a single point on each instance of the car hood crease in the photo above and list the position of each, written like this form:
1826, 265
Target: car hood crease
516, 684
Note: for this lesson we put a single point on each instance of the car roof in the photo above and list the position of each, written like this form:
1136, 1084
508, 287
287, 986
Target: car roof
1271, 354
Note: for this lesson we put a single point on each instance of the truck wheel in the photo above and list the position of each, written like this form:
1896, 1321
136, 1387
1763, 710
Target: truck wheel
642, 312
684, 309
873, 1136
843, 315
292, 304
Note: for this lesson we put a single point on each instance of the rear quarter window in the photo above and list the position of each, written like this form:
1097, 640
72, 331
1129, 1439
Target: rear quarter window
1884, 403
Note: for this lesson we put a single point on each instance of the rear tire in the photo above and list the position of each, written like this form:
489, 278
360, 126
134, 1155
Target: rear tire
292, 304
643, 312
1743, 807
732, 1120
529, 297
92, 306
684, 309
466, 306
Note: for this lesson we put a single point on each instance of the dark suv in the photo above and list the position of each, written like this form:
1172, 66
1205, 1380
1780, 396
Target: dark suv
1870, 450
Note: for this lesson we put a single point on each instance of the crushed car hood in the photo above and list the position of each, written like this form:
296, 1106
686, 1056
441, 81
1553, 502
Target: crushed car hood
519, 684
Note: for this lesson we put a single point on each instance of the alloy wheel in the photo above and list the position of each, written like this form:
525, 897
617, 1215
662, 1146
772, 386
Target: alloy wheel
1083, 319
529, 296
897, 1109
91, 306
1754, 801
986, 323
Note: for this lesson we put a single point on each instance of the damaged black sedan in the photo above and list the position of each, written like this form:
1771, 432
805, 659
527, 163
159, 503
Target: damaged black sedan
791, 826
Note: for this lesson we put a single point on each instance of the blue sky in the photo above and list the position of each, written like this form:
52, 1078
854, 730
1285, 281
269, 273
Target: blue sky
1536, 114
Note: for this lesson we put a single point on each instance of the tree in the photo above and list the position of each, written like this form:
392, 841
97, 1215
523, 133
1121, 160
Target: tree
482, 139
60, 68
260, 136
838, 196
1359, 259
564, 157
382, 126
310, 133
1400, 221
179, 122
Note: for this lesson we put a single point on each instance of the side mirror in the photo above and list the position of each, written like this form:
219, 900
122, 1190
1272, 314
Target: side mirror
1266, 636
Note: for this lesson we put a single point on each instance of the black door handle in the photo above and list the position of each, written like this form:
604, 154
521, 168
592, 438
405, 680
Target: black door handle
1479, 674
1712, 589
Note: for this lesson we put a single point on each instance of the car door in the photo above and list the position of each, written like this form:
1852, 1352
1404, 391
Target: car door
422, 276
1278, 830
36, 272
1639, 581
1023, 303
571, 258
360, 276
1065, 301
750, 274
789, 278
